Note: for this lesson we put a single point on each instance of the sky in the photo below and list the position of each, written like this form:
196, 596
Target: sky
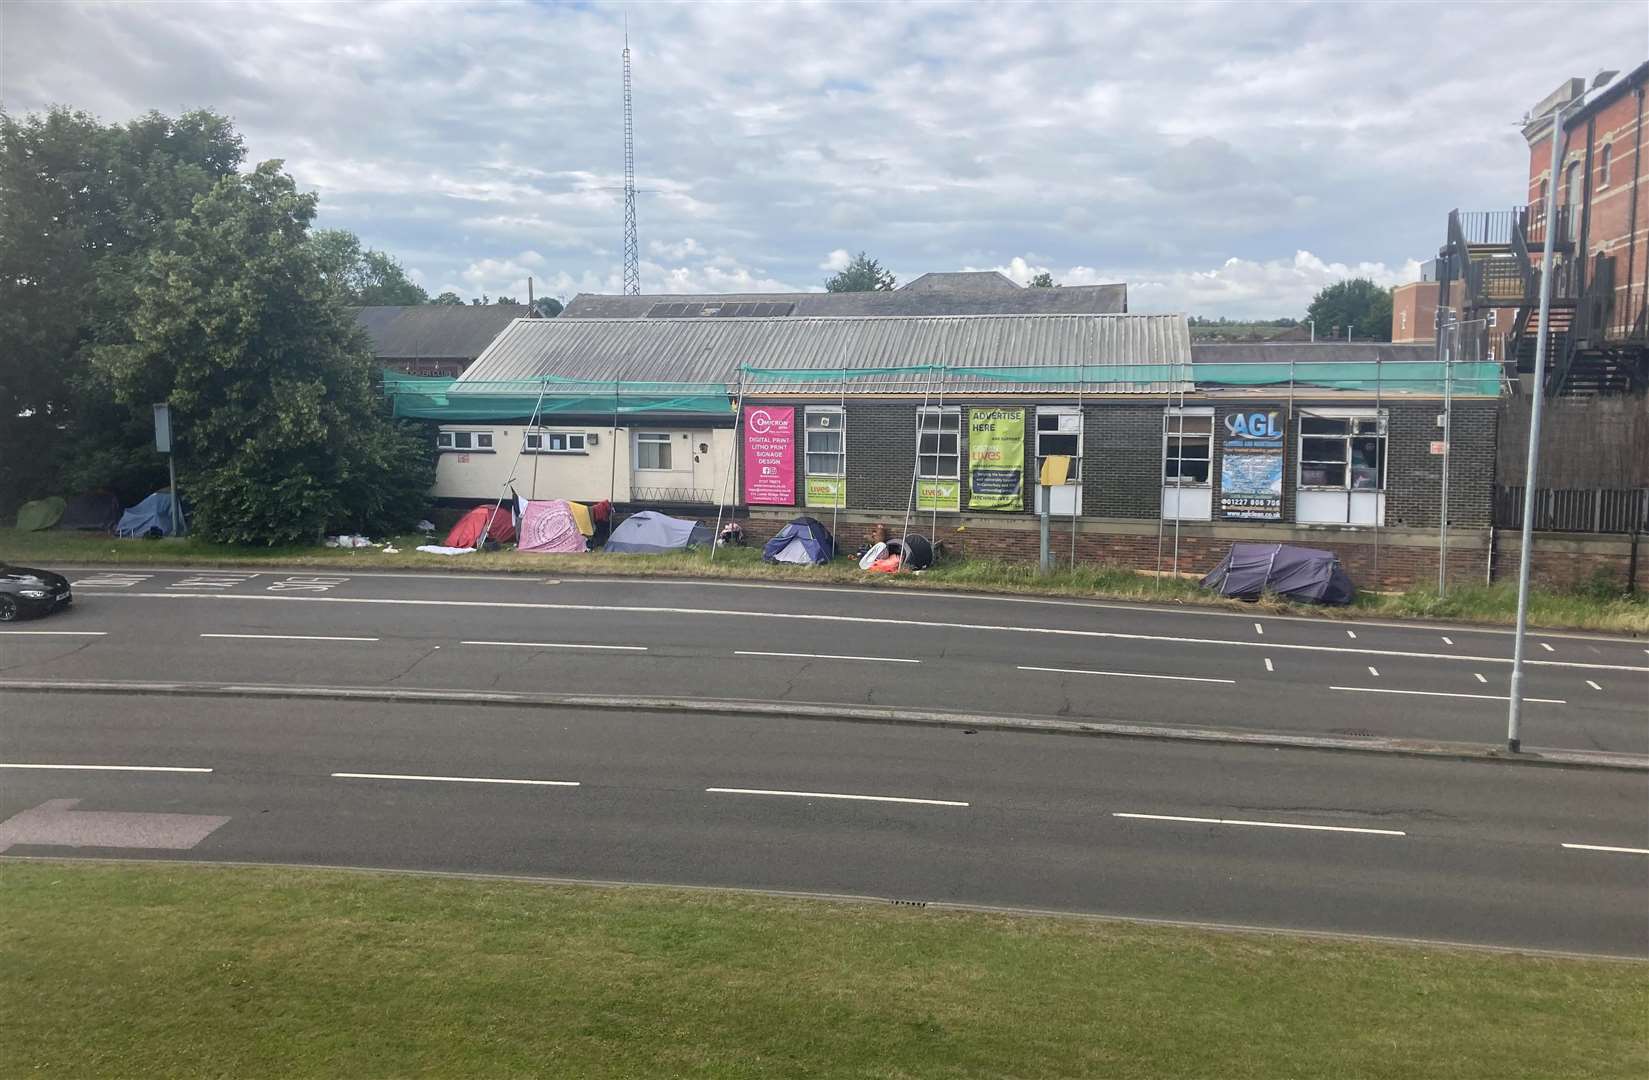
1221, 159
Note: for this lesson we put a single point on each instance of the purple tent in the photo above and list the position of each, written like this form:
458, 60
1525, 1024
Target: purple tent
1298, 573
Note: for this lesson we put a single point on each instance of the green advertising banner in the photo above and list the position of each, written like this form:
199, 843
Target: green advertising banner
825, 491
939, 495
996, 459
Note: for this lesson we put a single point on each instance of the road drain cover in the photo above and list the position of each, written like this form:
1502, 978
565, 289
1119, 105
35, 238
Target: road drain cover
1359, 732
908, 903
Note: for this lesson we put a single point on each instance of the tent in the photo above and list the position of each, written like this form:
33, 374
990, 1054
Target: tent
802, 541
99, 512
549, 525
653, 533
151, 514
1299, 573
467, 533
39, 514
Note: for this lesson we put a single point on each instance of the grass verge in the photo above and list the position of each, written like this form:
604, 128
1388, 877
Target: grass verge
1473, 603
143, 970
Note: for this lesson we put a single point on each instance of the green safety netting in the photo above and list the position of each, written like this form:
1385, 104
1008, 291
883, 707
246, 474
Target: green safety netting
421, 397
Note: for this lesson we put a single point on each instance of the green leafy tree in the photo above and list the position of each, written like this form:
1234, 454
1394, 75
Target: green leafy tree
547, 307
448, 298
363, 277
863, 274
508, 300
1359, 304
1044, 280
279, 427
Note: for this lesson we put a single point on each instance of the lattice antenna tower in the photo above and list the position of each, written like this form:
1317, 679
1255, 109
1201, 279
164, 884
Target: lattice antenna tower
632, 249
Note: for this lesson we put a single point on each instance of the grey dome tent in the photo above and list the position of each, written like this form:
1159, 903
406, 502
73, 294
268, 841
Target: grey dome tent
653, 533
1299, 573
803, 541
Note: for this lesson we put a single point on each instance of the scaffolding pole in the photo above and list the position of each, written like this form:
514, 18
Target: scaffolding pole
514, 465
1179, 471
732, 456
916, 466
841, 493
1081, 445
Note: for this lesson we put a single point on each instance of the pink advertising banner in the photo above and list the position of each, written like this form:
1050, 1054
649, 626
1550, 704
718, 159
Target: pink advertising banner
770, 456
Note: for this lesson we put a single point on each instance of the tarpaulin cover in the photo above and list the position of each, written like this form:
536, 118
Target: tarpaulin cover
653, 533
467, 533
473, 401
93, 512
1300, 573
804, 540
39, 514
155, 512
549, 525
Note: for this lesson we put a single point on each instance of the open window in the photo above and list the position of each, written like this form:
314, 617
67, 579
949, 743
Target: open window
1342, 467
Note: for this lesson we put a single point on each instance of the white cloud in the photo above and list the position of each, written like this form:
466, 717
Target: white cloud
837, 260
933, 136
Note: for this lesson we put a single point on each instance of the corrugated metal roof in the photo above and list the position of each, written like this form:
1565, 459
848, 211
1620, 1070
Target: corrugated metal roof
1310, 352
435, 331
712, 351
925, 300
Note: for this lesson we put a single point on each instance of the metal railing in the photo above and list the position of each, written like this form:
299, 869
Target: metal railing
1593, 510
1487, 227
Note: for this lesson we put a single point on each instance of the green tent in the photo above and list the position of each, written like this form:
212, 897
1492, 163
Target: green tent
40, 514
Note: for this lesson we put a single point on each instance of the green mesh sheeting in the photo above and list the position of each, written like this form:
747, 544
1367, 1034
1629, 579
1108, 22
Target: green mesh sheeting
1398, 376
423, 398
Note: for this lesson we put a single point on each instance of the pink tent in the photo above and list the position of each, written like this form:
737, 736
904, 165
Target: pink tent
549, 526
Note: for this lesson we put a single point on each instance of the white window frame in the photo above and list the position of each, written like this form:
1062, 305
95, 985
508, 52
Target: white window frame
1344, 503
1067, 498
573, 442
1184, 500
654, 438
948, 422
833, 413
446, 441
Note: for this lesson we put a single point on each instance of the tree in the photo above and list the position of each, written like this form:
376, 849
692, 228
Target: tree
1044, 280
546, 307
448, 298
1359, 304
509, 300
362, 277
863, 274
279, 428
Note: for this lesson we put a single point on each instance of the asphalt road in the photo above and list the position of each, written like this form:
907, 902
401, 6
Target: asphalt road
1000, 656
1445, 850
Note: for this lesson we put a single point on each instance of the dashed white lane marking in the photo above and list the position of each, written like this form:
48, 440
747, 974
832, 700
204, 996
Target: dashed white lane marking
1547, 647
1605, 847
1263, 824
826, 656
832, 795
1480, 677
453, 779
1439, 693
1593, 685
108, 768
1352, 634
288, 637
1268, 666
1258, 629
1372, 670
868, 620
1448, 641
1125, 674
558, 645
58, 633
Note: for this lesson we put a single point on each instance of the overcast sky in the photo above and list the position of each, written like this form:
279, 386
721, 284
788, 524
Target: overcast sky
1222, 159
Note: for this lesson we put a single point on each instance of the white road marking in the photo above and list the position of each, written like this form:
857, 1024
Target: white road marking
1547, 647
831, 795
1605, 847
1268, 666
825, 656
1258, 629
1448, 641
862, 620
108, 768
58, 633
1372, 670
454, 779
1352, 634
1480, 677
1593, 685
288, 637
558, 645
1439, 693
1127, 674
1263, 824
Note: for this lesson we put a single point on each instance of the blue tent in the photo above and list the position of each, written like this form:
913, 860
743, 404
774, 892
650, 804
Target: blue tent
1299, 573
155, 512
653, 533
802, 541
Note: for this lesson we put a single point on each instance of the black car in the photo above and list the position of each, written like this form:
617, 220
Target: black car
24, 591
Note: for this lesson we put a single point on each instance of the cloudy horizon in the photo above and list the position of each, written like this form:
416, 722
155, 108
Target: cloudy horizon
1222, 160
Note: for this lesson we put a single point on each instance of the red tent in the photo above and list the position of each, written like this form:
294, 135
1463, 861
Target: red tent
467, 533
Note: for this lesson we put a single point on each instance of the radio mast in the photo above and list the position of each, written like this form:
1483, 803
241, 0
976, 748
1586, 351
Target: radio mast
632, 250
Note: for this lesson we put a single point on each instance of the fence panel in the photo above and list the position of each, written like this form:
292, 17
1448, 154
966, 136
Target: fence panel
1596, 510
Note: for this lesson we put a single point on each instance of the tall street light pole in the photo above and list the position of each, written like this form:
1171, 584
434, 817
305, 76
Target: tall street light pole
1514, 714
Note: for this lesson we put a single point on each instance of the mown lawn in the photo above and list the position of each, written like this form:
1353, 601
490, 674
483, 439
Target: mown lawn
1466, 603
131, 970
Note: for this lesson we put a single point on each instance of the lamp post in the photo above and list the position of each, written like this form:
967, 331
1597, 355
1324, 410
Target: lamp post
1514, 713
